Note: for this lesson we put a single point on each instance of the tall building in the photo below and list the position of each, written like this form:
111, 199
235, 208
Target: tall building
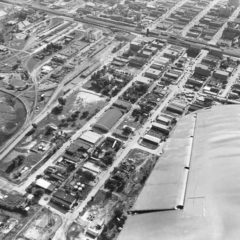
93, 34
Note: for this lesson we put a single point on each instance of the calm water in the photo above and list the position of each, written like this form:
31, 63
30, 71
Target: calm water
16, 119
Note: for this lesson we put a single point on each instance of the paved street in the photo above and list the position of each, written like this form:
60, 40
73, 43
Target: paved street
218, 35
198, 17
167, 14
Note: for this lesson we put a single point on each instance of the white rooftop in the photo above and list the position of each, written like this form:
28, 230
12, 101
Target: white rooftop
92, 167
91, 137
43, 183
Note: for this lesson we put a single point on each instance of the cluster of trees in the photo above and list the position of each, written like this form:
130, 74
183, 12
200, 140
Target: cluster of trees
115, 183
14, 209
87, 176
193, 51
136, 91
108, 158
62, 101
37, 192
22, 15
15, 163
58, 109
52, 47
116, 222
98, 74
2, 40
101, 83
84, 114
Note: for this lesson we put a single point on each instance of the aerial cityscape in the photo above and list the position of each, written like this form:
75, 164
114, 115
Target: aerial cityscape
119, 119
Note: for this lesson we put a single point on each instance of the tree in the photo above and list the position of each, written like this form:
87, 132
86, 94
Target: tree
22, 16
88, 176
57, 110
1, 37
70, 168
38, 176
147, 33
108, 158
62, 100
37, 192
84, 114
127, 130
108, 195
16, 162
48, 130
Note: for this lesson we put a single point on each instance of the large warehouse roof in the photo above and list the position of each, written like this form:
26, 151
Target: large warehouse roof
212, 192
109, 119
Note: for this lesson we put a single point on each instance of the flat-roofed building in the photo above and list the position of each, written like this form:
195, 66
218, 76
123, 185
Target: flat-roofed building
171, 75
144, 80
222, 75
46, 185
91, 167
91, 137
171, 54
203, 70
152, 139
163, 120
63, 199
157, 65
153, 73
163, 60
126, 106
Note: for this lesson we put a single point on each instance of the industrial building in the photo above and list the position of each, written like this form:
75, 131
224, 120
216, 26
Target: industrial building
161, 127
44, 184
151, 139
63, 200
163, 120
109, 119
153, 73
203, 70
91, 137
221, 75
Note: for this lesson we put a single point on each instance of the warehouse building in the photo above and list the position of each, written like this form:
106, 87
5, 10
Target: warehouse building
91, 137
149, 138
163, 120
91, 167
63, 200
44, 184
109, 119
176, 107
171, 54
144, 80
203, 70
157, 65
153, 73
222, 75
162, 128
126, 106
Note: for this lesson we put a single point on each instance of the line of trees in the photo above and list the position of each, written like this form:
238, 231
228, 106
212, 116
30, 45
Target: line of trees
16, 162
